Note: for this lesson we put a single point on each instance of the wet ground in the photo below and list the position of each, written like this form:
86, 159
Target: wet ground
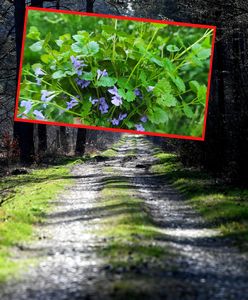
203, 265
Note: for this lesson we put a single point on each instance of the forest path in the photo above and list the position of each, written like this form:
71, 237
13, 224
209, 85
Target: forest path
199, 264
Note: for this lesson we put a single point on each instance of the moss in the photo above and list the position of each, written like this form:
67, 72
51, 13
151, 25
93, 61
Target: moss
24, 203
109, 153
223, 205
132, 238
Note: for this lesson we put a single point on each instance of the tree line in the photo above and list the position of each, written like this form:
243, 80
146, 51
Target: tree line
24, 132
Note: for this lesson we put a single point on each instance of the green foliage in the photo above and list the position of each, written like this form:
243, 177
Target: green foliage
160, 71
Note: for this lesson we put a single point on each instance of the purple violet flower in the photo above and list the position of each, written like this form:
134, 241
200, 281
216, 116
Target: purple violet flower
78, 65
114, 91
143, 119
103, 107
27, 105
122, 116
150, 88
116, 99
38, 114
115, 122
39, 72
101, 73
139, 127
83, 83
38, 81
47, 96
72, 103
137, 92
93, 101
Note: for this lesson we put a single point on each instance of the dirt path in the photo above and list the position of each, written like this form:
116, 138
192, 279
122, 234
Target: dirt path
203, 267
208, 266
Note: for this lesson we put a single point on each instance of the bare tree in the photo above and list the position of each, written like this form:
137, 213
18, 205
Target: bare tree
22, 132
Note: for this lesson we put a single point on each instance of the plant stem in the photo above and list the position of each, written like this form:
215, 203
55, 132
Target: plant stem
206, 34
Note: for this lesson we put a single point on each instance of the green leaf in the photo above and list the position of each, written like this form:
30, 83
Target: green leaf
122, 82
163, 91
157, 61
194, 85
59, 42
46, 58
86, 108
188, 111
162, 87
202, 94
172, 48
35, 66
158, 116
78, 38
167, 100
179, 83
77, 47
130, 96
65, 37
47, 39
169, 66
109, 29
34, 33
59, 74
37, 46
122, 93
88, 76
93, 47
143, 77
204, 54
159, 25
106, 81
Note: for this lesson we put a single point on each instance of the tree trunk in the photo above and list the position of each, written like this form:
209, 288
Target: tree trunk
81, 139
90, 6
64, 139
42, 138
23, 132
37, 3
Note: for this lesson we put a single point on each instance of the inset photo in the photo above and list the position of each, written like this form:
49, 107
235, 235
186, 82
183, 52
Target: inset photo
115, 73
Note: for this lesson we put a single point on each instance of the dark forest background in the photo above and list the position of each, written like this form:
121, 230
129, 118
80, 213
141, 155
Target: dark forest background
224, 153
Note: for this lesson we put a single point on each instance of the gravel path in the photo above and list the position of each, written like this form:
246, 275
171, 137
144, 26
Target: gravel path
210, 266
204, 267
68, 264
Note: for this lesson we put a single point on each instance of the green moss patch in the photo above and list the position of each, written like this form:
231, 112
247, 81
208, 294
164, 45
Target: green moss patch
25, 200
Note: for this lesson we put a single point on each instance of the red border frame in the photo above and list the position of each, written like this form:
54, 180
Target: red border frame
202, 138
